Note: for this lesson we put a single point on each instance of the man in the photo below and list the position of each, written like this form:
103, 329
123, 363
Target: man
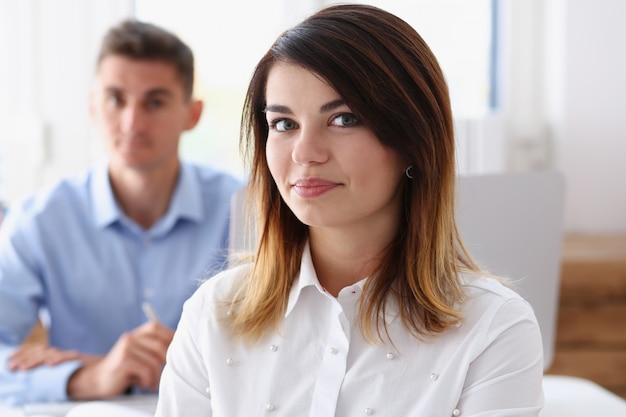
143, 229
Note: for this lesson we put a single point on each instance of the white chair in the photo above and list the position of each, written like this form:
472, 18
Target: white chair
512, 225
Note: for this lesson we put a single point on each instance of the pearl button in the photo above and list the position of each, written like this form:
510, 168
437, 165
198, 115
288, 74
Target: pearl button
270, 407
390, 356
229, 361
273, 348
333, 351
456, 412
369, 411
434, 376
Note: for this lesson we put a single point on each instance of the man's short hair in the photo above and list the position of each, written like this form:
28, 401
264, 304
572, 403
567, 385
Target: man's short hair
145, 41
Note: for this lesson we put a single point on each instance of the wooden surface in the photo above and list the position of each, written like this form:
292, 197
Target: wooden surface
591, 335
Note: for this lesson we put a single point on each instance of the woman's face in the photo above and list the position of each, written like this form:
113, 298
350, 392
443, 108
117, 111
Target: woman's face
330, 169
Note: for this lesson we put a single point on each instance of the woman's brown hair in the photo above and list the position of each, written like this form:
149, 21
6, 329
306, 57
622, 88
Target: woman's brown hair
391, 80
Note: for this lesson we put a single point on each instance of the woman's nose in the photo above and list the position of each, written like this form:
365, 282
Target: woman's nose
309, 147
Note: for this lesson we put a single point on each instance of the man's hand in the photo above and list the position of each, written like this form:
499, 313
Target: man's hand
31, 356
137, 358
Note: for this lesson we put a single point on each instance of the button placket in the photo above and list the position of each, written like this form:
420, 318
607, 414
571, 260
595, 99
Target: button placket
334, 362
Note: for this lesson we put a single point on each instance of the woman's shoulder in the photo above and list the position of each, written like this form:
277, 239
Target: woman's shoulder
487, 296
222, 287
488, 286
494, 314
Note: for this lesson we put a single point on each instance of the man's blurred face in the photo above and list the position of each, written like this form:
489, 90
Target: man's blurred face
141, 110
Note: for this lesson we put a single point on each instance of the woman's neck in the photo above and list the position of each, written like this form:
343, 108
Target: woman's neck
342, 259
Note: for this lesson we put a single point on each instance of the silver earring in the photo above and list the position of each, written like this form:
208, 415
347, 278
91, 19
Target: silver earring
407, 172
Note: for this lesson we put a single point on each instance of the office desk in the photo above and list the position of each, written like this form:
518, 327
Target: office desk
145, 404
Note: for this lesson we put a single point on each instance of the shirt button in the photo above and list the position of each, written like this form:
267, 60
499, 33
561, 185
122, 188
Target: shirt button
333, 351
229, 361
207, 390
369, 411
456, 412
273, 348
270, 407
390, 356
434, 376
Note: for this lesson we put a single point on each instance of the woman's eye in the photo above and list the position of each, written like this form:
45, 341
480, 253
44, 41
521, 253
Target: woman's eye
283, 125
345, 120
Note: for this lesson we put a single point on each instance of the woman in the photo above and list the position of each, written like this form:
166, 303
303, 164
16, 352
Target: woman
361, 299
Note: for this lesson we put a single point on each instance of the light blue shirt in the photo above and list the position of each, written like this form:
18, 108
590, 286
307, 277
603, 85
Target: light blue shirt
71, 252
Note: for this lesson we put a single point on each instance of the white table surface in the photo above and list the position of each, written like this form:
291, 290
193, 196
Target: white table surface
141, 403
567, 396
564, 397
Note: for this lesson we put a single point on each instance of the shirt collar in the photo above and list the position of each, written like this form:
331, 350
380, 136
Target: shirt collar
186, 200
308, 278
104, 205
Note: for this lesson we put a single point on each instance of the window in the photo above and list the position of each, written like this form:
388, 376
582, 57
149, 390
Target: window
459, 34
228, 38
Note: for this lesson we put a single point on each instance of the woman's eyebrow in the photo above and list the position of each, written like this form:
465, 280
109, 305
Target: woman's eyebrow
277, 108
332, 105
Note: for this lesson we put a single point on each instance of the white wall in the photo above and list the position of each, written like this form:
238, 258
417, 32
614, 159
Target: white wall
587, 96
563, 66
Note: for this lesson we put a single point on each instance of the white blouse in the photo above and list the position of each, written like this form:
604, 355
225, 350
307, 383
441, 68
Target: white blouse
319, 365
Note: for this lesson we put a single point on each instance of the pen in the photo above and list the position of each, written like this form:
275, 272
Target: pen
149, 311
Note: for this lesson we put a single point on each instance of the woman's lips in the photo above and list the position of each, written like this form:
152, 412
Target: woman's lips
313, 187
